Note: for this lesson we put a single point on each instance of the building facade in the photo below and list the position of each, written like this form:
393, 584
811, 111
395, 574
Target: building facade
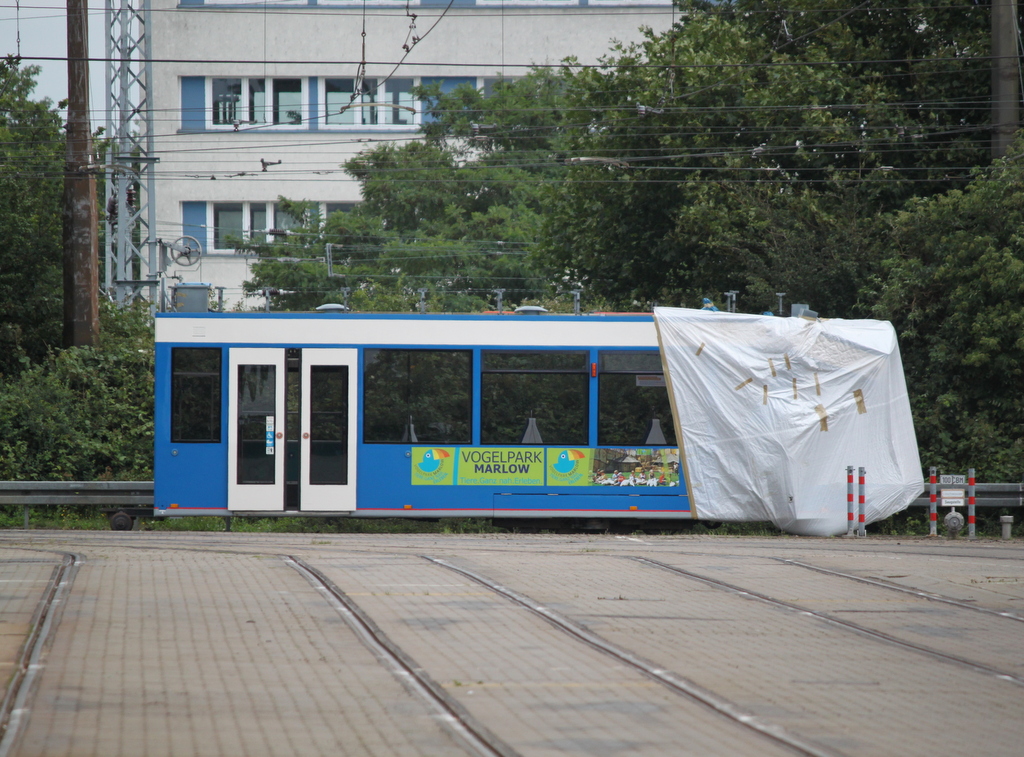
256, 101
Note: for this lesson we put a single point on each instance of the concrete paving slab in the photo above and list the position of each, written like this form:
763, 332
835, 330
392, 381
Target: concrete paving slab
164, 652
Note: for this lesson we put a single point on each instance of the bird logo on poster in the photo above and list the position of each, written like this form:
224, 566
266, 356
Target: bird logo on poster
432, 460
566, 462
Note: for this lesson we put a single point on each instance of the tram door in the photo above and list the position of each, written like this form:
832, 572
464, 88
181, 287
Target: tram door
293, 423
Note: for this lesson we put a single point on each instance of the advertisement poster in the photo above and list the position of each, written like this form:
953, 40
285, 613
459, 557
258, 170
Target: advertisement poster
433, 466
570, 466
635, 467
501, 466
539, 466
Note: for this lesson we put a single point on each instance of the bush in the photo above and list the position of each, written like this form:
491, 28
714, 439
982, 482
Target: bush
85, 413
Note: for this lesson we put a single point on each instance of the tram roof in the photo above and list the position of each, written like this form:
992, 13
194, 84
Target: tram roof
411, 329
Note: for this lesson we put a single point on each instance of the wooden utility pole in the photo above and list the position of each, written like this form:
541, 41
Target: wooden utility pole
1005, 76
81, 248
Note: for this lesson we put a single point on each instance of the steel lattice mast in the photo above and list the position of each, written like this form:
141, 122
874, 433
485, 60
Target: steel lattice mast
130, 242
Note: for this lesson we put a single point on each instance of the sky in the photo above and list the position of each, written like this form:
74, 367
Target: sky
43, 29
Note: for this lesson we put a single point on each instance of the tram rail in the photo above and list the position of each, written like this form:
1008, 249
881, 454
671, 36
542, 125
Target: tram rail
672, 681
478, 738
903, 589
833, 620
28, 667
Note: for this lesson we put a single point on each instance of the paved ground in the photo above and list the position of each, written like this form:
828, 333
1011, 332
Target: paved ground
217, 644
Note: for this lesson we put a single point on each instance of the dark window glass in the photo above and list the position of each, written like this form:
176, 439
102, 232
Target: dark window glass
536, 361
227, 224
632, 362
226, 95
328, 424
535, 398
257, 423
195, 394
287, 101
633, 408
417, 396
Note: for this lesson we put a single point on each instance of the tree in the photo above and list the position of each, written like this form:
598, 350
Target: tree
456, 213
710, 149
31, 186
954, 290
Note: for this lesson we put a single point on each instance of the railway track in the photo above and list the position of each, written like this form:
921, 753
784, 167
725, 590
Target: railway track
839, 622
671, 680
28, 668
404, 629
478, 739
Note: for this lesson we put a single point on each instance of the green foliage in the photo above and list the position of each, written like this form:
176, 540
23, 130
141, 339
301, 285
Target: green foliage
753, 147
954, 290
84, 413
456, 214
31, 190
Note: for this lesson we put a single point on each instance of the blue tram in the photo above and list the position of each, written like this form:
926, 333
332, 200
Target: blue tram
422, 416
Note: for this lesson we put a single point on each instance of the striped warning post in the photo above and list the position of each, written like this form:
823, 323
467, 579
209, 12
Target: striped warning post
861, 525
933, 513
849, 500
970, 504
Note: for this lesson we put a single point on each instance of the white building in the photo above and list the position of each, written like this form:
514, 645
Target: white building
248, 96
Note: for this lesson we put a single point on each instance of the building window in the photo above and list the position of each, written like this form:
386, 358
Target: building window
195, 395
227, 101
283, 220
376, 103
338, 207
228, 226
287, 101
223, 227
244, 101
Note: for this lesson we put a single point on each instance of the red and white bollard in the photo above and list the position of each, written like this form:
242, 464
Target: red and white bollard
849, 500
933, 512
860, 503
970, 504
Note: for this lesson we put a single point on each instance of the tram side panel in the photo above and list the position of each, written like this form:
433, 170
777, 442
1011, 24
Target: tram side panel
448, 470
190, 445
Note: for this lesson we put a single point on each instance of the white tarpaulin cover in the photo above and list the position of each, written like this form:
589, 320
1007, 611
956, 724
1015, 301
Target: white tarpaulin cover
770, 412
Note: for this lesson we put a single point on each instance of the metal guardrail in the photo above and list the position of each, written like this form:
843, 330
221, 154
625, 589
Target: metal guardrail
985, 495
139, 494
106, 493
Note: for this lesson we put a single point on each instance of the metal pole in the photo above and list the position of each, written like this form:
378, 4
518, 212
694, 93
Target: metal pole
970, 504
849, 500
423, 300
861, 503
780, 295
576, 300
500, 293
81, 251
933, 513
1005, 76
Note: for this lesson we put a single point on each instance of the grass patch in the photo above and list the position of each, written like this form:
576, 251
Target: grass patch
299, 525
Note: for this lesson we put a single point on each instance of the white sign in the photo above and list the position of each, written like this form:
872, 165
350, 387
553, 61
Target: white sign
953, 480
952, 497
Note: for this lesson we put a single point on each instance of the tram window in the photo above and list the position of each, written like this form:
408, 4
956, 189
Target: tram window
535, 398
195, 394
631, 395
257, 399
415, 396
